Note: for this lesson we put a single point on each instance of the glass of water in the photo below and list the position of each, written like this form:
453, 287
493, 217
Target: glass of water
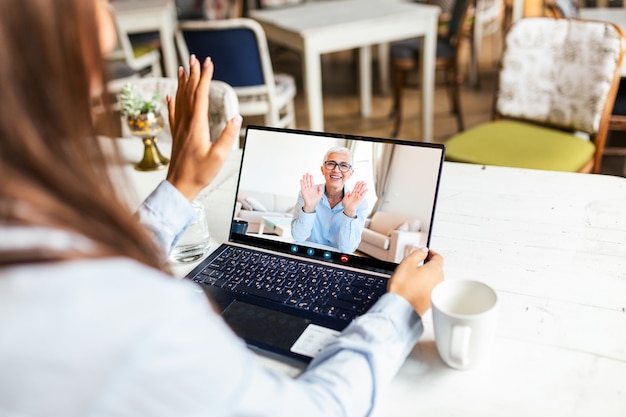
194, 243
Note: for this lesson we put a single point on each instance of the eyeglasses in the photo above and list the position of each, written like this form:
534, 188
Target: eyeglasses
343, 166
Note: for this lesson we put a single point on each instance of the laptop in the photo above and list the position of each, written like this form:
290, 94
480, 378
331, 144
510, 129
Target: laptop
292, 296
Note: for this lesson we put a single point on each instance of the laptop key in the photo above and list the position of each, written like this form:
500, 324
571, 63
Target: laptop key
344, 305
351, 298
281, 298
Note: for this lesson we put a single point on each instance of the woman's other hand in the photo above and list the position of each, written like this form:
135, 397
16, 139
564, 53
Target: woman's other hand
195, 161
414, 282
353, 199
311, 193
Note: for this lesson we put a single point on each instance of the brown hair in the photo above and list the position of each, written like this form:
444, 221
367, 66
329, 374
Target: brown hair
52, 167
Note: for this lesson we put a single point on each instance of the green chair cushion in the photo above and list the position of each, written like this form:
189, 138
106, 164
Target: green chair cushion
522, 145
140, 50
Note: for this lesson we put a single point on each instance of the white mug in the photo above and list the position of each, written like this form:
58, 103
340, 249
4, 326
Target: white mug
465, 317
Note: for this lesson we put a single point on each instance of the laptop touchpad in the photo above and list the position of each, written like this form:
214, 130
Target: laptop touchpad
264, 326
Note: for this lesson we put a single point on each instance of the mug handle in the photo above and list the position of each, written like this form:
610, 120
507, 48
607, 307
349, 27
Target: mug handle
459, 346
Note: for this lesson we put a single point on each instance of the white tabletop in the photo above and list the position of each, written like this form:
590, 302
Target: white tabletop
553, 246
341, 16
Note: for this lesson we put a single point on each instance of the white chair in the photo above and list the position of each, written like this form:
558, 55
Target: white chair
223, 103
239, 49
125, 66
556, 89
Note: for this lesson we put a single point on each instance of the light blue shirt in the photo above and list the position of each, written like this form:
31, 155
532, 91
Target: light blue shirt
329, 226
112, 337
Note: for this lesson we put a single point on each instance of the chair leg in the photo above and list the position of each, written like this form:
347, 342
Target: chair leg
396, 113
291, 114
475, 44
453, 83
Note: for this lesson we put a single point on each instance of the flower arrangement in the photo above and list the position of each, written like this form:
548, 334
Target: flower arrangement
133, 104
142, 116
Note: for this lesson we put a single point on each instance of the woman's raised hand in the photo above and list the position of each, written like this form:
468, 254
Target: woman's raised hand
311, 193
195, 161
353, 199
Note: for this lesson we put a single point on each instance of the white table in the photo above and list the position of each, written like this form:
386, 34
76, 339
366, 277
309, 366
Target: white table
553, 246
137, 16
279, 225
616, 15
321, 27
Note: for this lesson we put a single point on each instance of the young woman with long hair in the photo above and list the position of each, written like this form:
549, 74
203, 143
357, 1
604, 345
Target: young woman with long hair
91, 323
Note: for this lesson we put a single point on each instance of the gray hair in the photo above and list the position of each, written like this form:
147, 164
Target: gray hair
338, 149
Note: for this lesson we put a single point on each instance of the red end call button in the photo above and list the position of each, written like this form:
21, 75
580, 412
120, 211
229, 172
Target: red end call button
344, 258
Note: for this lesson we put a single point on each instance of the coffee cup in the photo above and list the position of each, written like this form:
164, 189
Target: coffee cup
239, 227
465, 316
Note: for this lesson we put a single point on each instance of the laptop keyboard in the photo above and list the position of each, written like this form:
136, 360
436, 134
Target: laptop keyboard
298, 284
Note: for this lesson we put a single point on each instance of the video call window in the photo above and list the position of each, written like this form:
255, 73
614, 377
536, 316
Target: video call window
401, 181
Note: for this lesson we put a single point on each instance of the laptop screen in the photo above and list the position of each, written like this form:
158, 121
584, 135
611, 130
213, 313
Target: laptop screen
283, 170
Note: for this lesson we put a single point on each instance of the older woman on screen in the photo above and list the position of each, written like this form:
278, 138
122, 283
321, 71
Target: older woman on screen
330, 213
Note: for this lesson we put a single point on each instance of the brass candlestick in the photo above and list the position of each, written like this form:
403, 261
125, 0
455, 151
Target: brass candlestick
146, 126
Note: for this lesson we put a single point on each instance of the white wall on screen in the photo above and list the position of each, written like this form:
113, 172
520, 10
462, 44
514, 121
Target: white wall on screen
411, 185
275, 163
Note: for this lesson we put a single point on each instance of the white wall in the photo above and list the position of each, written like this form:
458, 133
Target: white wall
412, 183
274, 163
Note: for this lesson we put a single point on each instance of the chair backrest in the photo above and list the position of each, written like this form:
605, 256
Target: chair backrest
561, 73
238, 48
223, 102
561, 8
208, 9
149, 63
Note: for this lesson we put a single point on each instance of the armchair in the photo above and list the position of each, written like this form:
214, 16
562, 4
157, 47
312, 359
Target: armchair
557, 84
240, 51
390, 237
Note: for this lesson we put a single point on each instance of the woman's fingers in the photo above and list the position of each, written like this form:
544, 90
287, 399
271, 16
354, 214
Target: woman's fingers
202, 90
360, 187
306, 181
180, 91
171, 113
192, 82
230, 133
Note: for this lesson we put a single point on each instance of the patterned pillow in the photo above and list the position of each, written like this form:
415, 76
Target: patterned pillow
558, 72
